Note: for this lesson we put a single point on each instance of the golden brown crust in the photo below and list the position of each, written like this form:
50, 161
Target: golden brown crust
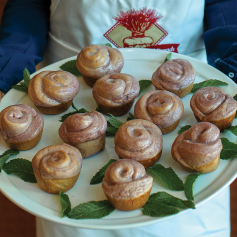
176, 75
95, 61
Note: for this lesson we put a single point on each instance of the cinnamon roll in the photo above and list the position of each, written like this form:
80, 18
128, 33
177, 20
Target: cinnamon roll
95, 61
57, 167
115, 93
21, 127
162, 108
52, 92
176, 75
126, 185
198, 149
211, 104
85, 131
139, 140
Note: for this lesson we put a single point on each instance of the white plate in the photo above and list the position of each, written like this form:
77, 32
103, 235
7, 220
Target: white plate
140, 63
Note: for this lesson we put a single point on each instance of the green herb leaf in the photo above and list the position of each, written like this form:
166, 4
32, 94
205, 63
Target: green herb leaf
189, 185
114, 121
229, 149
21, 87
233, 129
168, 177
111, 131
108, 44
143, 85
168, 57
22, 168
71, 67
207, 83
130, 116
26, 77
184, 128
235, 97
98, 177
91, 210
163, 204
65, 203
5, 156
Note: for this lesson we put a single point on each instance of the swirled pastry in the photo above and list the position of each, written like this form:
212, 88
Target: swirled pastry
211, 104
95, 61
57, 167
126, 184
139, 140
115, 93
161, 107
198, 149
85, 131
52, 92
176, 75
21, 127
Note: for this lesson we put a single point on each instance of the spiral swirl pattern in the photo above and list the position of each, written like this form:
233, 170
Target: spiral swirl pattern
115, 89
126, 179
197, 146
19, 123
96, 61
138, 139
51, 88
163, 108
79, 128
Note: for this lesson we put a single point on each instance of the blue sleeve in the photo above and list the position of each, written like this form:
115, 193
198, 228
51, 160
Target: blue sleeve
221, 35
23, 37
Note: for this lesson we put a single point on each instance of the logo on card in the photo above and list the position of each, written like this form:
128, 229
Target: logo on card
139, 29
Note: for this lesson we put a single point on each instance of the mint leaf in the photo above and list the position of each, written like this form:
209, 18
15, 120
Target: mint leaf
111, 131
22, 168
130, 116
168, 57
26, 77
189, 185
91, 210
98, 177
65, 203
21, 87
163, 204
5, 156
114, 121
71, 67
207, 83
168, 177
235, 97
233, 129
108, 44
184, 128
143, 85
229, 149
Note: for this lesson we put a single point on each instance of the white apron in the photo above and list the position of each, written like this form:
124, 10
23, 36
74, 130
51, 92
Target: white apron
178, 28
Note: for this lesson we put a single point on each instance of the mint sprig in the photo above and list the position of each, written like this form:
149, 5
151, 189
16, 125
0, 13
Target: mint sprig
189, 185
168, 57
91, 210
207, 83
167, 176
143, 85
113, 125
5, 156
184, 128
163, 204
23, 86
65, 203
71, 67
22, 168
130, 116
98, 177
233, 129
229, 149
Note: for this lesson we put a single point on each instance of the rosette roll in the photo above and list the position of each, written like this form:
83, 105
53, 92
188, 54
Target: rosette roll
85, 131
211, 104
126, 184
115, 93
198, 149
57, 167
176, 75
21, 127
139, 140
53, 91
95, 61
162, 108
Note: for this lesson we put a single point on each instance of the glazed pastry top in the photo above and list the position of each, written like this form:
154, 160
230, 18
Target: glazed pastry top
174, 74
126, 179
50, 88
20, 122
160, 107
138, 139
116, 89
212, 103
57, 162
199, 145
96, 61
82, 127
